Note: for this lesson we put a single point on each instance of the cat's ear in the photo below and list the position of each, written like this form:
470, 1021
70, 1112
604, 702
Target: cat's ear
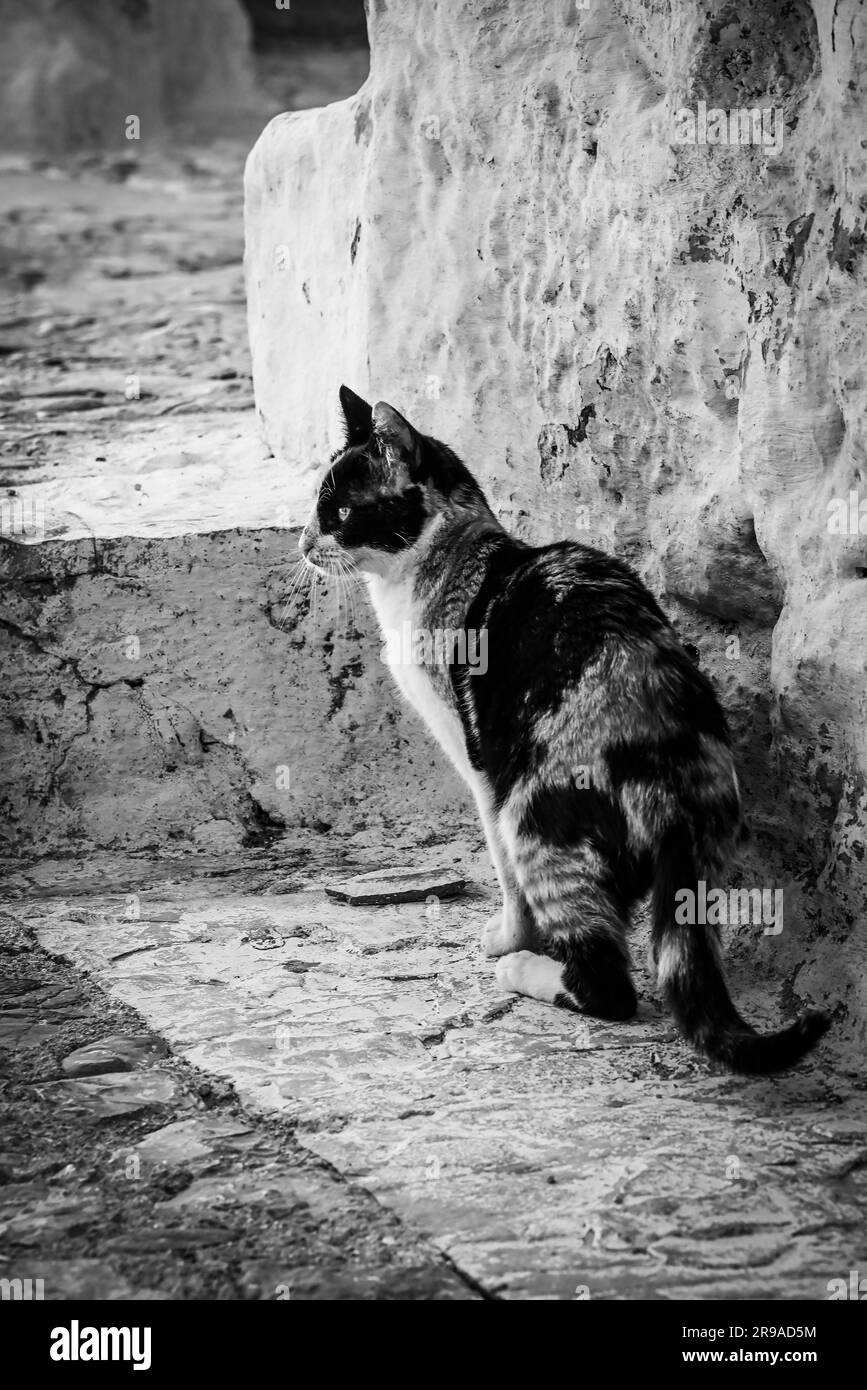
396, 435
358, 416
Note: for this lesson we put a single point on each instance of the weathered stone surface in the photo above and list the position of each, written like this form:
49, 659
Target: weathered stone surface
172, 1238
16, 938
214, 716
190, 1142
396, 886
281, 1192
652, 346
83, 1278
168, 445
55, 1212
20, 1027
103, 1097
113, 1054
94, 1212
545, 1154
70, 83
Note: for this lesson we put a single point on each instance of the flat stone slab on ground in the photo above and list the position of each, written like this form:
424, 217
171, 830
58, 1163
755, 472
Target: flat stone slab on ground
384, 886
113, 1054
192, 1141
103, 1097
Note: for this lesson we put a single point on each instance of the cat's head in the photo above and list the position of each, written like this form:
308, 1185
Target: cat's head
383, 491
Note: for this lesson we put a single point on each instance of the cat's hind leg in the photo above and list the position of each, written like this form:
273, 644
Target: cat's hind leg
539, 977
591, 977
580, 959
588, 974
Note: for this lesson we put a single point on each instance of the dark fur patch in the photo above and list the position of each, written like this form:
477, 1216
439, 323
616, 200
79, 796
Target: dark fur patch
657, 762
549, 613
379, 518
567, 817
597, 974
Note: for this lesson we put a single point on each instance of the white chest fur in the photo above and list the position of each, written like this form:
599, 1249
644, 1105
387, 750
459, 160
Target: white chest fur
399, 619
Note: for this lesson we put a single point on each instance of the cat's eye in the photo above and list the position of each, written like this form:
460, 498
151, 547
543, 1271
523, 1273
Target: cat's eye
343, 512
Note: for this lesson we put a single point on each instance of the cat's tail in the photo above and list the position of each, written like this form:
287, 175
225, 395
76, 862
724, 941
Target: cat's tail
690, 973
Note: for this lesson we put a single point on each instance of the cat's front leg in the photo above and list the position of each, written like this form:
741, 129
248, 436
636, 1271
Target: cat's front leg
510, 929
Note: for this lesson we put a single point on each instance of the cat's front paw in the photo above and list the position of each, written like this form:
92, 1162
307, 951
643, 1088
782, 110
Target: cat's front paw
495, 938
508, 930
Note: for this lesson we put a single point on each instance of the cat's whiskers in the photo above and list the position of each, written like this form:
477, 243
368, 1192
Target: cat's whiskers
342, 570
298, 583
339, 583
347, 576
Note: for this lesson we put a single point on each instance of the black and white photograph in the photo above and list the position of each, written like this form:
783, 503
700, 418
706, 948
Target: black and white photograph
433, 631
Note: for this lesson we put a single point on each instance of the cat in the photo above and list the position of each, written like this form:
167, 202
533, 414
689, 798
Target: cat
596, 751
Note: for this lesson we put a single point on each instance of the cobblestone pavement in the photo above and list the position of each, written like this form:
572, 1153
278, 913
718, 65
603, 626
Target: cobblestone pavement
547, 1157
125, 390
127, 1173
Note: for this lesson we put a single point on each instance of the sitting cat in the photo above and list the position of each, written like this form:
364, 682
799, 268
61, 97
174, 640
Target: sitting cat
597, 753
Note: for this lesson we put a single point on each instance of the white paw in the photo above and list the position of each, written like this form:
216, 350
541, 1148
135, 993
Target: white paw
524, 972
512, 970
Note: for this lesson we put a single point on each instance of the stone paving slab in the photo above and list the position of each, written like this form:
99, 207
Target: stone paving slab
547, 1156
127, 399
155, 1183
401, 885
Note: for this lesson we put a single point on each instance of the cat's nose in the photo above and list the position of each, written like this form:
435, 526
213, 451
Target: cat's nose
305, 543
